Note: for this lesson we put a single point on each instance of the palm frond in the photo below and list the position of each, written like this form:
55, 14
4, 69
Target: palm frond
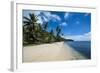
33, 17
26, 18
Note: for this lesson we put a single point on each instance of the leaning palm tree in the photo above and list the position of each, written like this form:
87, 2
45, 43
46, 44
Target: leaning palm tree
51, 32
31, 20
30, 28
45, 26
58, 31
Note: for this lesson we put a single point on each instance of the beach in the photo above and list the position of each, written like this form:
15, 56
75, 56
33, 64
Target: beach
50, 52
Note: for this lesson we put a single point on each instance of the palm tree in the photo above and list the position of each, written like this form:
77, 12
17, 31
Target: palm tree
45, 26
30, 28
35, 33
30, 21
51, 32
58, 30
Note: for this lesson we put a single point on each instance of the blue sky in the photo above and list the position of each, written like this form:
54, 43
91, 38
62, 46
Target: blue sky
74, 25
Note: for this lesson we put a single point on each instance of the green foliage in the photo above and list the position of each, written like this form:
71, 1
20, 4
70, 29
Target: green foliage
36, 33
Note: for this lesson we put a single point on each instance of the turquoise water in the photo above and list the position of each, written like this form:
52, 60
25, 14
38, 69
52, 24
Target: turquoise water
83, 47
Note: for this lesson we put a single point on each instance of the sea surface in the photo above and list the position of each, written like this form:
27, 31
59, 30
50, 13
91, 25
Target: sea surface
83, 47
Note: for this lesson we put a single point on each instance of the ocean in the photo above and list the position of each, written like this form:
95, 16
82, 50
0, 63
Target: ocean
83, 47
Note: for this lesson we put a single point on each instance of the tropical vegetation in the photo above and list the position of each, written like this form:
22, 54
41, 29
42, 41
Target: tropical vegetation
36, 33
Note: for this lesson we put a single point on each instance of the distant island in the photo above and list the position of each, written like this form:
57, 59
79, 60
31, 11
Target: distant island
36, 33
68, 39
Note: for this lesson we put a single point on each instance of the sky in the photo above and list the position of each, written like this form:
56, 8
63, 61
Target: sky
74, 25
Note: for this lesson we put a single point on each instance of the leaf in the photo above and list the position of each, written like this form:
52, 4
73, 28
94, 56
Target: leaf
26, 18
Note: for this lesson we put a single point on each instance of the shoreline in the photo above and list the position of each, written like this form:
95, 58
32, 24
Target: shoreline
50, 52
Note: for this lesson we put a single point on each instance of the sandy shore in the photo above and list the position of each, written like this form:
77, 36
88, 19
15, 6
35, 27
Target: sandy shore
50, 52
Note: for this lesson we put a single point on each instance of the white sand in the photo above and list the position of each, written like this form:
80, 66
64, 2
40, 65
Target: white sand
50, 52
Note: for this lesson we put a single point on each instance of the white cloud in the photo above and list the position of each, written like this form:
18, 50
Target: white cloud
37, 12
84, 37
64, 24
47, 16
88, 34
41, 17
44, 19
86, 14
50, 16
66, 15
40, 20
55, 17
